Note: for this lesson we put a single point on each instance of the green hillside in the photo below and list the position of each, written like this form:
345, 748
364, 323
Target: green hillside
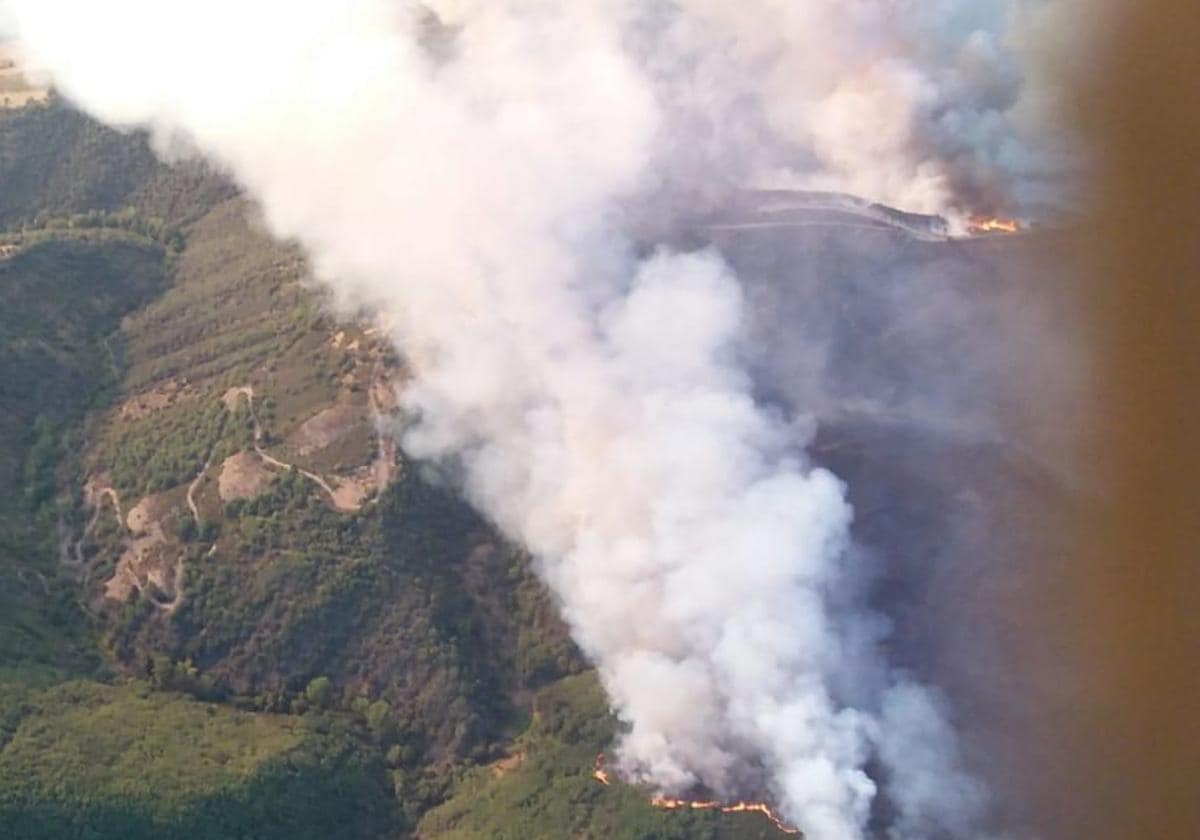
89, 760
55, 162
229, 607
63, 301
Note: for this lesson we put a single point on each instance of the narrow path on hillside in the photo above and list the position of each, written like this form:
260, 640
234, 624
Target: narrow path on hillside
191, 491
248, 392
383, 469
172, 605
181, 563
104, 493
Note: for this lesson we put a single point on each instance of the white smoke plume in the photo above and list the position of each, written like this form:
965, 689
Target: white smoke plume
911, 104
469, 167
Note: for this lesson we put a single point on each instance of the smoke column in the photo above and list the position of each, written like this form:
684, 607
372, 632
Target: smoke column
469, 167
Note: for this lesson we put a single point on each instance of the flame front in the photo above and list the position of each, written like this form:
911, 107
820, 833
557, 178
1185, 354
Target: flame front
731, 808
991, 224
670, 804
599, 773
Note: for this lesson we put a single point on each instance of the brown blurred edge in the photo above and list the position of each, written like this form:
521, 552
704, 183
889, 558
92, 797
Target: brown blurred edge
1125, 570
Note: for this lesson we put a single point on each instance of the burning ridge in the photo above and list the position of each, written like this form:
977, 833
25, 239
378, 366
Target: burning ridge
601, 775
808, 208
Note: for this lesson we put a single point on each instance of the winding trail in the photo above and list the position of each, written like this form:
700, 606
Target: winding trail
180, 564
98, 510
191, 491
174, 603
384, 465
248, 392
384, 469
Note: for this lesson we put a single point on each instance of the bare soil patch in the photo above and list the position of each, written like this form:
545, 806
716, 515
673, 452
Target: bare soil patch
325, 428
145, 513
234, 395
150, 402
148, 557
243, 476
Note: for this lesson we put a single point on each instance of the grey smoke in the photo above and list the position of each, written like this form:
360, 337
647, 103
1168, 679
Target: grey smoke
494, 178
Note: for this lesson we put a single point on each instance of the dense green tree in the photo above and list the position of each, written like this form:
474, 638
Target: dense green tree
319, 692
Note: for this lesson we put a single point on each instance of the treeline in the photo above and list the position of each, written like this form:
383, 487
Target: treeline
57, 162
97, 222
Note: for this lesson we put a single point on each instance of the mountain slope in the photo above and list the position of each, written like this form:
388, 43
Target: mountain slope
63, 300
230, 607
198, 499
83, 758
349, 565
55, 162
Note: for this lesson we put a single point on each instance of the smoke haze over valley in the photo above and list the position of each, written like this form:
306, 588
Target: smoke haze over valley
689, 308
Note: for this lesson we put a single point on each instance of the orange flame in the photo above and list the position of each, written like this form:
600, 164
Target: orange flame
601, 775
731, 808
989, 224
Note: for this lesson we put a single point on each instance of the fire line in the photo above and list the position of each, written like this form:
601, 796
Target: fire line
600, 774
988, 224
668, 803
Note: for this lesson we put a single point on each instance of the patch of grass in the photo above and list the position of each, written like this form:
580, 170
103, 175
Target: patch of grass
236, 307
130, 742
89, 760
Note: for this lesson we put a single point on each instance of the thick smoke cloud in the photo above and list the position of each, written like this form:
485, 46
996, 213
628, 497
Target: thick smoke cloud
902, 103
475, 169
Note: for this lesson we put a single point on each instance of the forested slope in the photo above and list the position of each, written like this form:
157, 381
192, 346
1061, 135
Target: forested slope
229, 606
